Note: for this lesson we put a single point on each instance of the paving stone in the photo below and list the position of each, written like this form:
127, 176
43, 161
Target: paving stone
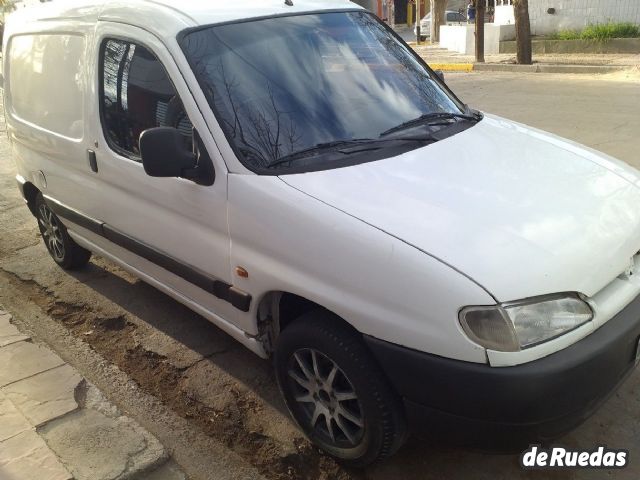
45, 396
24, 359
9, 333
98, 447
89, 397
26, 457
11, 420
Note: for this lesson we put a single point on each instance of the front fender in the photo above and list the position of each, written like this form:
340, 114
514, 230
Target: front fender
385, 288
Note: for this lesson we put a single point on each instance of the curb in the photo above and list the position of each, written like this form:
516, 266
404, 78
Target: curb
583, 68
502, 67
549, 68
536, 68
452, 67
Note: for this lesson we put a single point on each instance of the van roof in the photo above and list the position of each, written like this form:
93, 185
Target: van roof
168, 17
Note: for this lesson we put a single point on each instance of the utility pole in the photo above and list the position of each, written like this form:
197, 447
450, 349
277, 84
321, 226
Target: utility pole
480, 9
438, 8
432, 23
418, 18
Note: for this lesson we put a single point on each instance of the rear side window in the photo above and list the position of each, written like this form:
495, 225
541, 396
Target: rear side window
136, 95
45, 78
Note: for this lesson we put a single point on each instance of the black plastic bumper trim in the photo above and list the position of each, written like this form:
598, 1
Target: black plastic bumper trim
236, 297
570, 383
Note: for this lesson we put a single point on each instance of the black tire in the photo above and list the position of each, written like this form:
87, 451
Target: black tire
64, 251
376, 406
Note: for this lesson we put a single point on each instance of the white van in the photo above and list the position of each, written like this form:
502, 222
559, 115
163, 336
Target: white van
451, 18
296, 174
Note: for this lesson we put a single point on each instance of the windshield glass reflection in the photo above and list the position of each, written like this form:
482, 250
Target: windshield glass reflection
282, 85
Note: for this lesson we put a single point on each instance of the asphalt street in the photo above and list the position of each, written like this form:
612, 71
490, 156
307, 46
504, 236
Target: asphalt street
601, 112
199, 392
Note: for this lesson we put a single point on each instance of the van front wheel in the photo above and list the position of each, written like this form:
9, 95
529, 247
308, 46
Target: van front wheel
66, 253
336, 392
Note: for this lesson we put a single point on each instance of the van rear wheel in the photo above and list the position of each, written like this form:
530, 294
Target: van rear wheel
64, 251
336, 392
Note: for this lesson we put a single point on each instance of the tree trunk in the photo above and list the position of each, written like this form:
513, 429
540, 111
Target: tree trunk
438, 9
480, 10
523, 31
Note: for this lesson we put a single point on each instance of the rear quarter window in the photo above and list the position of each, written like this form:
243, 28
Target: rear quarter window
44, 82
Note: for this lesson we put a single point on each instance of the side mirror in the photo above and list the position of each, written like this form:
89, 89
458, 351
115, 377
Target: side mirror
165, 154
440, 75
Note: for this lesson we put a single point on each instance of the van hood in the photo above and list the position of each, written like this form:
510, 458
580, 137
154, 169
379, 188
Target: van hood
520, 211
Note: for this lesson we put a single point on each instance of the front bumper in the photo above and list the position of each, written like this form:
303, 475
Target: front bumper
509, 407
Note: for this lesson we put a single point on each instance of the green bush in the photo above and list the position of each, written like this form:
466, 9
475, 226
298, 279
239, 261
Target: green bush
565, 35
601, 31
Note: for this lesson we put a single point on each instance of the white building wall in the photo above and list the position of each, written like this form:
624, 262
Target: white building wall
462, 38
504, 15
577, 14
371, 5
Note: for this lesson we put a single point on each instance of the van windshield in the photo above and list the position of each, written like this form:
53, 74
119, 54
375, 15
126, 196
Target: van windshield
309, 92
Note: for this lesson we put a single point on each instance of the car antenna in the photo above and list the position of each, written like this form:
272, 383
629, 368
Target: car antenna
289, 3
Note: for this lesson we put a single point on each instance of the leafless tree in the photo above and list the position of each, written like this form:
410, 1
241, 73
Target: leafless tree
270, 132
268, 135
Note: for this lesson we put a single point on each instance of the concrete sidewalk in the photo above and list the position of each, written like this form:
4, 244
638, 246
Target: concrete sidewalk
442, 59
56, 426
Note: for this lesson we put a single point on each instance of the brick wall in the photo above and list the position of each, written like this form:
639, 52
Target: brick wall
576, 14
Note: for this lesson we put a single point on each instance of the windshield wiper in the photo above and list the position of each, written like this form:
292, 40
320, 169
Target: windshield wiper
329, 146
430, 118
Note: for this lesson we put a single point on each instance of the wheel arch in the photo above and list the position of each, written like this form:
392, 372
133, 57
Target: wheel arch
30, 192
278, 309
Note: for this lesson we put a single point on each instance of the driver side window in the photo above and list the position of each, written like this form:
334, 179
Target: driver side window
137, 94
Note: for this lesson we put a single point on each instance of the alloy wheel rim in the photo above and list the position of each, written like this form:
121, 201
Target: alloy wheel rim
326, 398
51, 233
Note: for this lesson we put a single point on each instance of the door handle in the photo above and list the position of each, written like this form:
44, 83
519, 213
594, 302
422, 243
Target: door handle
93, 163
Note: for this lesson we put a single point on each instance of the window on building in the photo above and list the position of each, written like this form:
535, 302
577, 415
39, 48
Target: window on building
137, 94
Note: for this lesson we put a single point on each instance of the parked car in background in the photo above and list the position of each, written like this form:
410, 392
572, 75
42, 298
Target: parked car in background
300, 177
452, 18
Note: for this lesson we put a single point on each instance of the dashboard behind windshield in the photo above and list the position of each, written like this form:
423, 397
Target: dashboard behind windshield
286, 84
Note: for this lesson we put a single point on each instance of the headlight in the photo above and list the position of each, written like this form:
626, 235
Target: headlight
513, 326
